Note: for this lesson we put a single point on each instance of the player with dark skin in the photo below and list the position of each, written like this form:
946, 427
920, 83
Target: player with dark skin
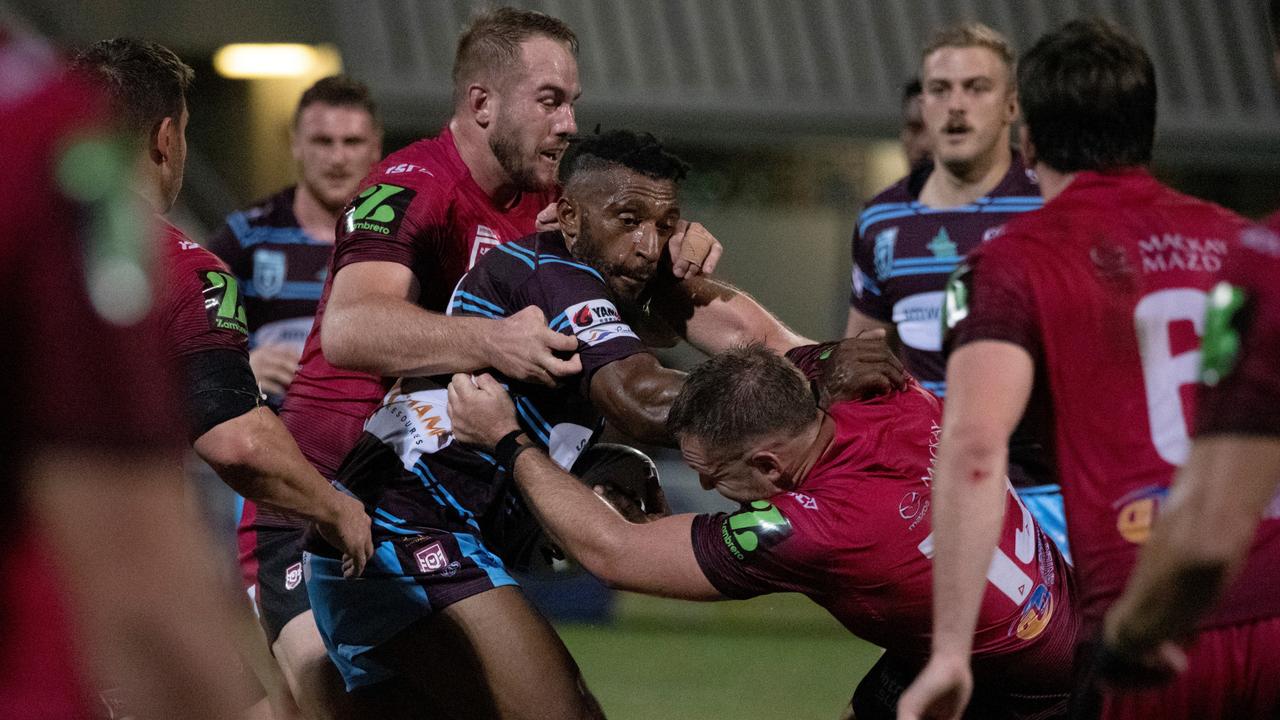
617, 221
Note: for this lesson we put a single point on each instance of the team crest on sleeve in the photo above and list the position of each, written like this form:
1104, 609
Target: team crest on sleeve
597, 321
379, 208
754, 527
1221, 345
883, 250
223, 303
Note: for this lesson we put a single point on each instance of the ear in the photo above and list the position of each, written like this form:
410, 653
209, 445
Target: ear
164, 140
768, 465
482, 104
1011, 111
569, 218
1025, 146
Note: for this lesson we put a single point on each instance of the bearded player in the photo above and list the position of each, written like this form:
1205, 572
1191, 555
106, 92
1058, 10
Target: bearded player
420, 220
1087, 316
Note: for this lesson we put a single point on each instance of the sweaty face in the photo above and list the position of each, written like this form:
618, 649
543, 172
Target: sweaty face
535, 118
733, 478
625, 221
968, 105
334, 146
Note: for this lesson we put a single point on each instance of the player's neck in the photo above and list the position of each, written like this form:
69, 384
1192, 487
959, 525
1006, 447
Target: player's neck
949, 187
1052, 182
315, 219
813, 442
485, 169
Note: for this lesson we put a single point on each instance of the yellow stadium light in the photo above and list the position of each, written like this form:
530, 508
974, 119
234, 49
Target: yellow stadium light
276, 60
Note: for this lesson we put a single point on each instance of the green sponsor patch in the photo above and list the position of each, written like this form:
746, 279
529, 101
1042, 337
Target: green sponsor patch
222, 301
758, 525
1221, 345
380, 209
955, 303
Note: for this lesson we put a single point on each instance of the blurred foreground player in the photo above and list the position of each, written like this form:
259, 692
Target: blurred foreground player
913, 235
835, 505
204, 319
447, 522
102, 571
1212, 512
279, 249
1087, 315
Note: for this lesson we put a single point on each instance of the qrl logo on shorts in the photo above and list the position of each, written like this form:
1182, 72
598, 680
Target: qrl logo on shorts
293, 576
431, 558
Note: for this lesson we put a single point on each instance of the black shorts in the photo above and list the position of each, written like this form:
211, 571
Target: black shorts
876, 697
271, 566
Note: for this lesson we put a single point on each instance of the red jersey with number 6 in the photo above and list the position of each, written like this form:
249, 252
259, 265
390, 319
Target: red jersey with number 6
856, 538
1106, 288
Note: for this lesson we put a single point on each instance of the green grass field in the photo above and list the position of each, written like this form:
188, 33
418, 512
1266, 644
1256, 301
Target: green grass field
778, 656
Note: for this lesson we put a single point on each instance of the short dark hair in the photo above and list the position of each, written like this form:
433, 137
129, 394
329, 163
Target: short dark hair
738, 396
1275, 23
145, 81
973, 34
1088, 95
911, 90
640, 152
339, 91
492, 42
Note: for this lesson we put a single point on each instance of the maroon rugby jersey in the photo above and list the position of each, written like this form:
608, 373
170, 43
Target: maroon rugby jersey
1106, 288
72, 377
855, 537
419, 207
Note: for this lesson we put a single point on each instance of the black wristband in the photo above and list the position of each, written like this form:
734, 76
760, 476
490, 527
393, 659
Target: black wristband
516, 454
505, 451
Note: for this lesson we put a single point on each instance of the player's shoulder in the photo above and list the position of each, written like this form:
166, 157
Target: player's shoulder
1019, 183
183, 252
896, 200
421, 180
260, 222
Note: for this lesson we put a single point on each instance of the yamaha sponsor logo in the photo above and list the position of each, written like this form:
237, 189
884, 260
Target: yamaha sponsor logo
592, 313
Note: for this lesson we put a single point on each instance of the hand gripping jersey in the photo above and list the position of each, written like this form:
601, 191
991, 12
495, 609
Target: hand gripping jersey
855, 537
281, 269
420, 208
1107, 288
407, 468
903, 252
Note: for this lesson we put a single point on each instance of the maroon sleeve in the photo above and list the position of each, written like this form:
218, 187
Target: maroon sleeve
78, 373
745, 553
989, 298
1242, 391
203, 308
389, 222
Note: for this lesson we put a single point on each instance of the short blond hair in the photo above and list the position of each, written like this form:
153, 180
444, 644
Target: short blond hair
974, 34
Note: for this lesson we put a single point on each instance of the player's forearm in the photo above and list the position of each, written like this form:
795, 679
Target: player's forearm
968, 512
394, 338
257, 457
734, 318
1203, 531
147, 577
577, 519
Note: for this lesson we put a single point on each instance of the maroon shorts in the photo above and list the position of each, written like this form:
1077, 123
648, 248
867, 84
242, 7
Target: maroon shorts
1232, 672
